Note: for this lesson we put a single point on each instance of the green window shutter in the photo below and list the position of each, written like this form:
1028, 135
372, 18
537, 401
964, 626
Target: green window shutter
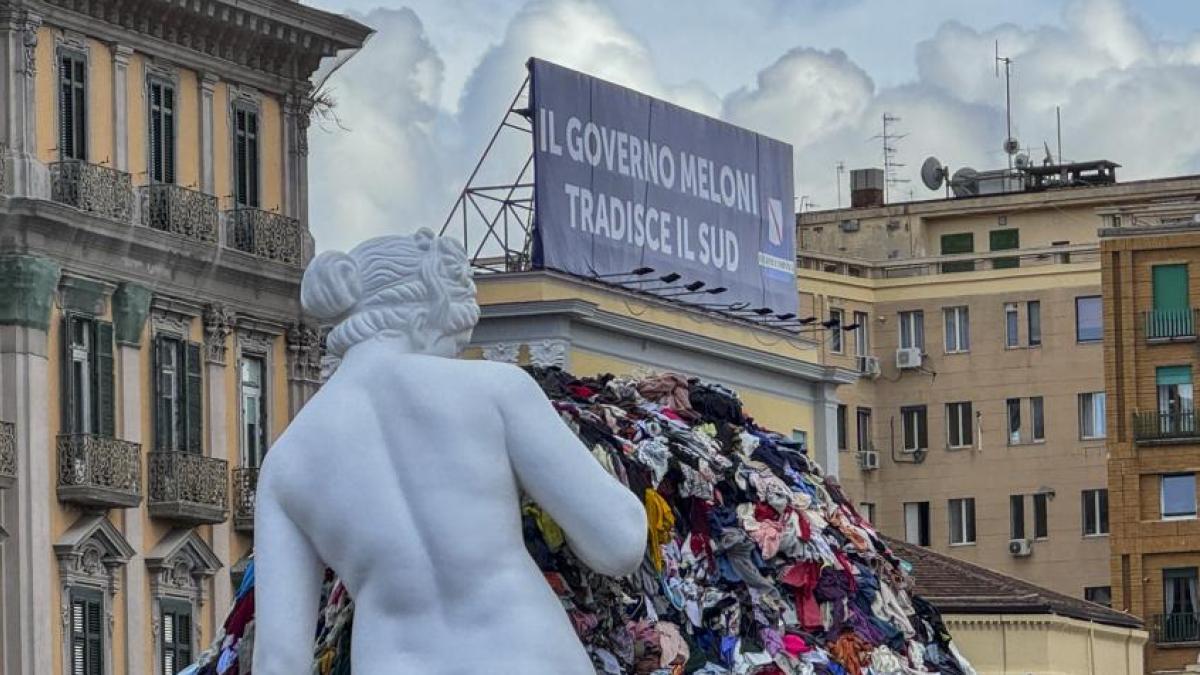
1173, 375
87, 633
922, 428
102, 379
1170, 287
67, 399
194, 398
168, 134
66, 113
963, 242
162, 410
1005, 240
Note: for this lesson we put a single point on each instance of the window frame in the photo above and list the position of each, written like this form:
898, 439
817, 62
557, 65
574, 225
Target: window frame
1033, 308
1088, 593
920, 415
967, 522
1016, 517
1095, 500
863, 433
923, 534
843, 427
1162, 497
253, 457
837, 337
1173, 573
247, 108
88, 596
169, 169
170, 608
968, 427
1012, 326
956, 322
1078, 339
1100, 421
1037, 419
1041, 516
1012, 414
862, 342
79, 58
867, 511
912, 329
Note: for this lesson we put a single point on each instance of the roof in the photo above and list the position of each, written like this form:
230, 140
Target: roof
955, 586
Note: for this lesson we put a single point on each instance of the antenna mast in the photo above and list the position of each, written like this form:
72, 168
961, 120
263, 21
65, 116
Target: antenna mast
889, 138
1011, 147
841, 168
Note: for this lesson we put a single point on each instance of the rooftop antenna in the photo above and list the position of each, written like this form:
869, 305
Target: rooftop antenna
889, 138
1058, 124
841, 169
1011, 146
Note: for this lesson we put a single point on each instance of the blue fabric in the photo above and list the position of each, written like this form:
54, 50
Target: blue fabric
247, 583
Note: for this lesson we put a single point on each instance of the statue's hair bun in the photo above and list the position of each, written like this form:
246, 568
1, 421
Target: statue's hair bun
332, 286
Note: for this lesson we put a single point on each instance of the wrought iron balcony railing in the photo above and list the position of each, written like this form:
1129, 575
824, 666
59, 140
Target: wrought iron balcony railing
93, 188
8, 452
96, 471
1170, 324
1166, 427
189, 488
178, 210
245, 483
264, 234
1176, 628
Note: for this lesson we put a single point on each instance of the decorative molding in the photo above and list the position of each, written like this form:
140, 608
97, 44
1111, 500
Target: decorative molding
175, 325
86, 296
218, 324
73, 41
130, 306
254, 342
161, 69
179, 564
505, 352
209, 82
246, 95
305, 350
120, 54
29, 40
548, 353
29, 284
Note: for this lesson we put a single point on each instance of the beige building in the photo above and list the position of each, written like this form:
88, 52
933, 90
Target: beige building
1150, 257
153, 231
977, 428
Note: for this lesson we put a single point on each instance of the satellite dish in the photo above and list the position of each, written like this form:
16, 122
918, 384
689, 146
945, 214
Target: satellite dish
933, 173
965, 182
1021, 161
1012, 146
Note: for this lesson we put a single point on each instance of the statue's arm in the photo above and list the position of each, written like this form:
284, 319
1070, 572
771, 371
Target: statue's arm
288, 577
604, 522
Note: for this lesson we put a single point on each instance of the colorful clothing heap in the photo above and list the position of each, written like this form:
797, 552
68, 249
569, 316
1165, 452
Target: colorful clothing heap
757, 563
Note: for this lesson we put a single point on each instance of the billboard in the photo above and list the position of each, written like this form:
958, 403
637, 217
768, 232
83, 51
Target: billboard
624, 181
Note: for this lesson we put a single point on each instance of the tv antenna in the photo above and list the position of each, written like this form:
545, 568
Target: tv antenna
841, 169
1011, 145
889, 138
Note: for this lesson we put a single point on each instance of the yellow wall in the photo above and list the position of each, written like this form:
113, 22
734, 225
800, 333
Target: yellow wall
135, 116
1045, 644
45, 94
187, 119
222, 163
100, 104
271, 154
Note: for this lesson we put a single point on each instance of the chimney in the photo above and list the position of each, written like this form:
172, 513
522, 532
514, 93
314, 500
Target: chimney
866, 188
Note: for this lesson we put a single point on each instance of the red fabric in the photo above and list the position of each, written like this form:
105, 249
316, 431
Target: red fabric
803, 577
764, 512
241, 615
805, 530
580, 391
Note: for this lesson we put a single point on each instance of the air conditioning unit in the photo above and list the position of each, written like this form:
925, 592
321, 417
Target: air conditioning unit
908, 358
868, 460
1020, 548
869, 366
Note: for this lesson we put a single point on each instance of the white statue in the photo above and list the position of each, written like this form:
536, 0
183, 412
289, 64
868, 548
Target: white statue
402, 474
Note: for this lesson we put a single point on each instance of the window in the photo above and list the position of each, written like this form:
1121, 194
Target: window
867, 511
87, 382
1013, 407
912, 330
836, 317
958, 330
1172, 314
1089, 319
1005, 240
1037, 411
916, 429
1180, 606
178, 391
1175, 411
916, 523
1101, 595
245, 155
801, 437
1011, 336
959, 430
1095, 512
175, 639
72, 106
962, 521
87, 632
842, 434
863, 416
254, 412
1033, 316
963, 242
1016, 516
1091, 416
861, 346
1178, 496
1041, 516
162, 131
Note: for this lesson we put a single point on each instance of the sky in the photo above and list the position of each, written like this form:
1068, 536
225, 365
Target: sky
416, 107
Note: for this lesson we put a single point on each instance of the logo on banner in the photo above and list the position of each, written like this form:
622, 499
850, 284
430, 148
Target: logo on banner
775, 218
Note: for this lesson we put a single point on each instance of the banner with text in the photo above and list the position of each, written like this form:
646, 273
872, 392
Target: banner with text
623, 181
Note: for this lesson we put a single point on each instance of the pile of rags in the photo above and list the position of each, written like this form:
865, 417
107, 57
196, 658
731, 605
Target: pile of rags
757, 563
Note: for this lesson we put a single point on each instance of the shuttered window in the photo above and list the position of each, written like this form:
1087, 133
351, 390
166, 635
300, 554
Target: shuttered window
175, 641
178, 394
1005, 240
87, 377
87, 634
72, 106
963, 242
162, 131
245, 155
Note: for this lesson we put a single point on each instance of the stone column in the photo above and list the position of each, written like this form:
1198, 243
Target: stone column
296, 110
131, 306
26, 643
218, 324
121, 54
208, 83
824, 444
24, 175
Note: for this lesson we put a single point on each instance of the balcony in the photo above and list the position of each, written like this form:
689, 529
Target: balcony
1176, 629
1170, 325
1157, 428
178, 210
99, 472
245, 484
93, 188
8, 452
264, 234
188, 488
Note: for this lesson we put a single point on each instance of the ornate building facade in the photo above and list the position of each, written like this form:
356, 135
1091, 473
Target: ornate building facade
153, 233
